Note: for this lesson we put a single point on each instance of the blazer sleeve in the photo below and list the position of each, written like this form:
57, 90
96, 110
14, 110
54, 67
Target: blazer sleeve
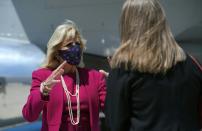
117, 108
102, 91
36, 100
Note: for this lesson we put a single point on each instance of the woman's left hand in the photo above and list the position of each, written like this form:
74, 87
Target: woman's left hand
106, 74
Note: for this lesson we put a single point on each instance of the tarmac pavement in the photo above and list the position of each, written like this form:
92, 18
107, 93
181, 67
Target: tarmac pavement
12, 101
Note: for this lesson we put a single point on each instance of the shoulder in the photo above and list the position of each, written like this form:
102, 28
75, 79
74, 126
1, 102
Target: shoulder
41, 72
195, 62
194, 67
190, 65
120, 76
121, 72
91, 73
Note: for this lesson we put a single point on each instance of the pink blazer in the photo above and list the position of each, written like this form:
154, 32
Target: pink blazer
52, 106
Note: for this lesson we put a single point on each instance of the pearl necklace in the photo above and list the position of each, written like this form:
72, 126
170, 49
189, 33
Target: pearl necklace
68, 94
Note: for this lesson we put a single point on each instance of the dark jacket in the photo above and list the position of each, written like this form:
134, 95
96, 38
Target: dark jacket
147, 102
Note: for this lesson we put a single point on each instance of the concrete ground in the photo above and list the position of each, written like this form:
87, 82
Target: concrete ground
12, 100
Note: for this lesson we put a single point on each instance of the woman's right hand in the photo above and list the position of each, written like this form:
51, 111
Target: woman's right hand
47, 85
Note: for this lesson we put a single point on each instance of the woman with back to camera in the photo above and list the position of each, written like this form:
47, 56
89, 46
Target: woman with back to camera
68, 96
153, 84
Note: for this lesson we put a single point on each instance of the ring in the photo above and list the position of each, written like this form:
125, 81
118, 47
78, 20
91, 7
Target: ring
45, 92
44, 84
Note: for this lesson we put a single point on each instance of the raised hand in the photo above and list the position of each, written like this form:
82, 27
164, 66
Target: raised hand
47, 85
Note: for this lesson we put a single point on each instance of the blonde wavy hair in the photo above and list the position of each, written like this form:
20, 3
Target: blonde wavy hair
66, 31
147, 44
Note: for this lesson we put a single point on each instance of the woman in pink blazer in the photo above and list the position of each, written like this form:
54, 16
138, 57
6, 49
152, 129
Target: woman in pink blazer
69, 97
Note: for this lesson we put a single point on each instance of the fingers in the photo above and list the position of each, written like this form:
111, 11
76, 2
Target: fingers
104, 73
55, 81
57, 74
60, 66
51, 80
46, 89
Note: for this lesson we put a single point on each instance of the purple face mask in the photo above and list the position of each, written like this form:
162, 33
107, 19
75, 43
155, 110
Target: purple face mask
72, 55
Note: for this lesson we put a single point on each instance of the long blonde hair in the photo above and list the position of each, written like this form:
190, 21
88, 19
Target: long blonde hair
147, 44
68, 30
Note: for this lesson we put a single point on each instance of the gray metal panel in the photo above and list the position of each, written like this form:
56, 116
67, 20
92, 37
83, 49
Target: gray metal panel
97, 19
18, 59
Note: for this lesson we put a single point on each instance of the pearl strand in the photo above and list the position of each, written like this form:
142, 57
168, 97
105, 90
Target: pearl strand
68, 94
